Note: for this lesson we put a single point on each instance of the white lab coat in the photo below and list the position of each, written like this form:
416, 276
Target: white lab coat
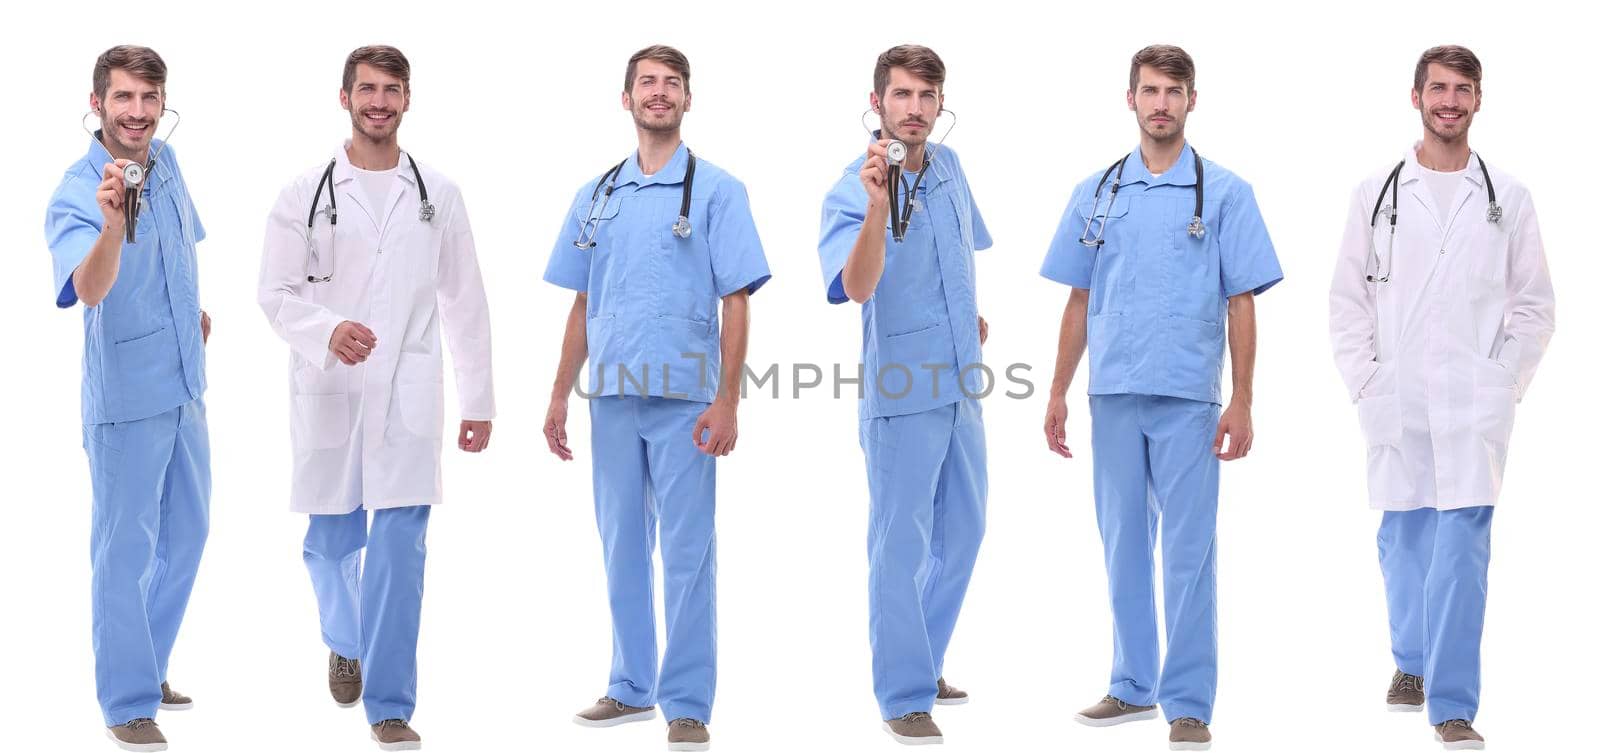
1437, 358
372, 434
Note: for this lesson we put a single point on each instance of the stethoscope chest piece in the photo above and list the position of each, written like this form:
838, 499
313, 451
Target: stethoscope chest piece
425, 213
681, 227
1197, 227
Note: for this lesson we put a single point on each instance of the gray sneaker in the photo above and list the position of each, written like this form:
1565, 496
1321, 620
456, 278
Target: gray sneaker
1189, 733
1112, 711
138, 735
1458, 734
344, 680
396, 734
949, 695
610, 712
1405, 692
172, 700
688, 734
915, 728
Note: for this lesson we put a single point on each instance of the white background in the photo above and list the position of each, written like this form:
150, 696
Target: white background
521, 106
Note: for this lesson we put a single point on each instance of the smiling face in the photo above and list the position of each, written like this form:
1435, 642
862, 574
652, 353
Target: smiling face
907, 107
129, 113
657, 97
1161, 104
1447, 102
376, 101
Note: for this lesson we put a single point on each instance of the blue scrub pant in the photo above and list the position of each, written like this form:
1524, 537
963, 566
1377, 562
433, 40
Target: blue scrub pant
647, 467
1154, 472
152, 498
371, 611
1436, 572
928, 478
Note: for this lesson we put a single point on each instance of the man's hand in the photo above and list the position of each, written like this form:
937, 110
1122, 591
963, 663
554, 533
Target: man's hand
875, 174
1055, 428
983, 331
111, 193
555, 429
723, 421
474, 435
1235, 424
352, 343
205, 327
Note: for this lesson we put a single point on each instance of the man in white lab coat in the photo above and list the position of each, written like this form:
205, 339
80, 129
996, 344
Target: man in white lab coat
1440, 310
366, 257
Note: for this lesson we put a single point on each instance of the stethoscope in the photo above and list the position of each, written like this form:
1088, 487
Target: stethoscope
1393, 212
134, 175
1197, 226
424, 212
591, 225
903, 196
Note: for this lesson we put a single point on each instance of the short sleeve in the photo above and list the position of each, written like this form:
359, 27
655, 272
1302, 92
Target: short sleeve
71, 227
980, 231
1068, 261
843, 212
569, 265
1249, 262
737, 259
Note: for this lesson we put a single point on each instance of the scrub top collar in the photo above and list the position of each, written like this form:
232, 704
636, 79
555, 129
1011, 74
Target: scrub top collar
671, 174
97, 157
1180, 174
942, 170
1412, 171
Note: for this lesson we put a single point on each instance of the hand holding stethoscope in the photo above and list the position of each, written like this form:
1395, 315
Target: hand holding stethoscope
883, 175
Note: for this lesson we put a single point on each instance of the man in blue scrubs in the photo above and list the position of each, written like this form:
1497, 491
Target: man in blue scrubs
1164, 251
651, 247
144, 420
921, 425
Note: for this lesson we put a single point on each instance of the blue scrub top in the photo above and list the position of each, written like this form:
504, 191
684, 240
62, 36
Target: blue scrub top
919, 330
1158, 299
654, 297
142, 351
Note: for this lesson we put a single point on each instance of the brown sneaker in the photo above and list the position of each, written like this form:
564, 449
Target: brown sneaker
688, 734
396, 734
1189, 733
139, 735
1458, 734
610, 712
949, 695
915, 728
172, 700
344, 680
1405, 692
1112, 711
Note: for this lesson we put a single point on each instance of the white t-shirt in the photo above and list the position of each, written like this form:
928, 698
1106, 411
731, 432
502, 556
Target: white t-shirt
376, 184
1443, 187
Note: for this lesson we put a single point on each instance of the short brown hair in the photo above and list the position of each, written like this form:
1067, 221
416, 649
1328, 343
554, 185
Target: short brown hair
660, 53
380, 56
918, 60
1452, 56
1167, 58
142, 62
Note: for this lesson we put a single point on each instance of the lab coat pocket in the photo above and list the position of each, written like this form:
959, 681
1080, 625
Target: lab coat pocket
418, 388
1380, 420
321, 422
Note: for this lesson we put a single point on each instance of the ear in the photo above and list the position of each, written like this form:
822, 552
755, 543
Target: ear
406, 101
688, 99
94, 104
1130, 101
344, 99
1477, 99
627, 101
1192, 97
872, 101
1416, 99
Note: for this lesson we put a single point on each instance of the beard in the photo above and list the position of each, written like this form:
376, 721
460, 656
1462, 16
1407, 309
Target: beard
642, 118
1174, 130
910, 138
109, 130
379, 134
1430, 124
